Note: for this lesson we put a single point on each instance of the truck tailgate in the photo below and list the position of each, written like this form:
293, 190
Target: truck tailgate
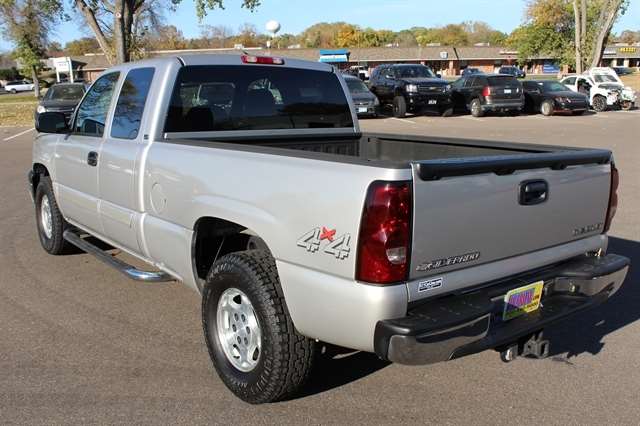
476, 210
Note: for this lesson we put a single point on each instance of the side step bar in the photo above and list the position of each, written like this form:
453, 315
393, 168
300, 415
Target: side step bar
128, 270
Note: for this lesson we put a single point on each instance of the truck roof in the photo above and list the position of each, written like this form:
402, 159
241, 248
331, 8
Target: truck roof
221, 59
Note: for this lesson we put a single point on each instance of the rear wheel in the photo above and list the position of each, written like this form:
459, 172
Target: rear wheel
546, 108
476, 108
399, 107
13, 91
252, 342
599, 103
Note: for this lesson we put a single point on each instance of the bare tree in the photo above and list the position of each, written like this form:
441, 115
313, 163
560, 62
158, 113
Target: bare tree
578, 34
609, 12
218, 35
591, 37
113, 22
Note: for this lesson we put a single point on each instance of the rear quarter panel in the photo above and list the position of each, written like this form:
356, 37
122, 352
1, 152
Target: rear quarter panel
278, 197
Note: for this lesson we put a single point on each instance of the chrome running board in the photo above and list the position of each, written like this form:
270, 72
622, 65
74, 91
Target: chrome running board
128, 270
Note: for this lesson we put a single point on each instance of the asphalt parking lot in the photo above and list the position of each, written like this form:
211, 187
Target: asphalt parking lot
79, 344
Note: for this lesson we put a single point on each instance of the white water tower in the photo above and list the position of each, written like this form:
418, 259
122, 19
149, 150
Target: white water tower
272, 28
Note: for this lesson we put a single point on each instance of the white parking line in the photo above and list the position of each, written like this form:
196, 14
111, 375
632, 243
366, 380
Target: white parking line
404, 120
19, 134
469, 117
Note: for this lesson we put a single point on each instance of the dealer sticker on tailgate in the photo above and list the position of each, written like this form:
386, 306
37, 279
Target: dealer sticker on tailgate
522, 300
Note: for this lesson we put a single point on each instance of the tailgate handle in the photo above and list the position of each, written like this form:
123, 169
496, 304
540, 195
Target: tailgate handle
533, 192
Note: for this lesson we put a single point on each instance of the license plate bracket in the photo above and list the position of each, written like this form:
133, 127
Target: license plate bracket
522, 300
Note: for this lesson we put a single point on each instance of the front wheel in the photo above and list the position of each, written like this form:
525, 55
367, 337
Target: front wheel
626, 105
399, 107
546, 108
446, 112
252, 342
599, 103
13, 91
50, 223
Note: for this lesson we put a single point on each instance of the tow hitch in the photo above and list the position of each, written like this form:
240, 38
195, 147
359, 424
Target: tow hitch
534, 346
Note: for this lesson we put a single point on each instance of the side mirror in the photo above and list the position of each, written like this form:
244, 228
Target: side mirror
51, 122
390, 76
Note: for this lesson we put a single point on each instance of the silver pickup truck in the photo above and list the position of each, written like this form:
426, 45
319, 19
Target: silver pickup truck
248, 179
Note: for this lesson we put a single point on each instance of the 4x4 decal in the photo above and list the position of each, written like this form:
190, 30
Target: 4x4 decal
335, 246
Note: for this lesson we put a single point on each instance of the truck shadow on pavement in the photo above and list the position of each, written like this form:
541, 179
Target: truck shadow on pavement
584, 332
340, 366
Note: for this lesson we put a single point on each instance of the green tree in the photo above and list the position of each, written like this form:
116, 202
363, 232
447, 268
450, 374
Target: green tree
27, 23
574, 32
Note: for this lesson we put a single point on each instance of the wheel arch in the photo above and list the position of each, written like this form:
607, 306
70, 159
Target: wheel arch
214, 237
39, 170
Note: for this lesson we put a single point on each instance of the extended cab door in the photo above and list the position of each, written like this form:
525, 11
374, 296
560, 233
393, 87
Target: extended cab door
118, 172
77, 156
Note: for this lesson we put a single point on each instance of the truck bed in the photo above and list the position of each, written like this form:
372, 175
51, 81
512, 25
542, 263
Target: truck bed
474, 202
385, 150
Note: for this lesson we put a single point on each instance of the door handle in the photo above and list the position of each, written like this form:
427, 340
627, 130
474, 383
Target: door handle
533, 192
92, 158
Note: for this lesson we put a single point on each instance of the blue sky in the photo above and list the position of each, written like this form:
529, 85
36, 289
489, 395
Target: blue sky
296, 15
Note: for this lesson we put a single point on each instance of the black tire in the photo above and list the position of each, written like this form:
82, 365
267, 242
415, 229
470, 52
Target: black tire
285, 358
626, 105
54, 243
476, 108
599, 103
546, 108
13, 91
399, 107
446, 112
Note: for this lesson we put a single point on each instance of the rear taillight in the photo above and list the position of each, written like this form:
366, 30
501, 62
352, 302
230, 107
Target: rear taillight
269, 60
613, 197
385, 234
486, 91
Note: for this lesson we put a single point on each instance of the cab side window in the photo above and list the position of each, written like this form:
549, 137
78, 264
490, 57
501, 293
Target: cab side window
92, 112
133, 96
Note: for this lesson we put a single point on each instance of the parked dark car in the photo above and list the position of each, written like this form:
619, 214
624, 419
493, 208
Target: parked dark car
514, 71
481, 93
469, 71
549, 97
623, 71
411, 88
366, 103
61, 97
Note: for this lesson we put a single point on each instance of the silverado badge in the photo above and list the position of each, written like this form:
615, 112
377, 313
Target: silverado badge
453, 260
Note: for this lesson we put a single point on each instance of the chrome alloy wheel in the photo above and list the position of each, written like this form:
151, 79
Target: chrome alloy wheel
45, 217
238, 330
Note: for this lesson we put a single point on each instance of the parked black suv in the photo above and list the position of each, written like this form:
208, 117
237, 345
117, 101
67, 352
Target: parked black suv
480, 93
411, 88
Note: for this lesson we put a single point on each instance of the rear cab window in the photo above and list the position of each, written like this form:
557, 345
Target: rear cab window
230, 97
